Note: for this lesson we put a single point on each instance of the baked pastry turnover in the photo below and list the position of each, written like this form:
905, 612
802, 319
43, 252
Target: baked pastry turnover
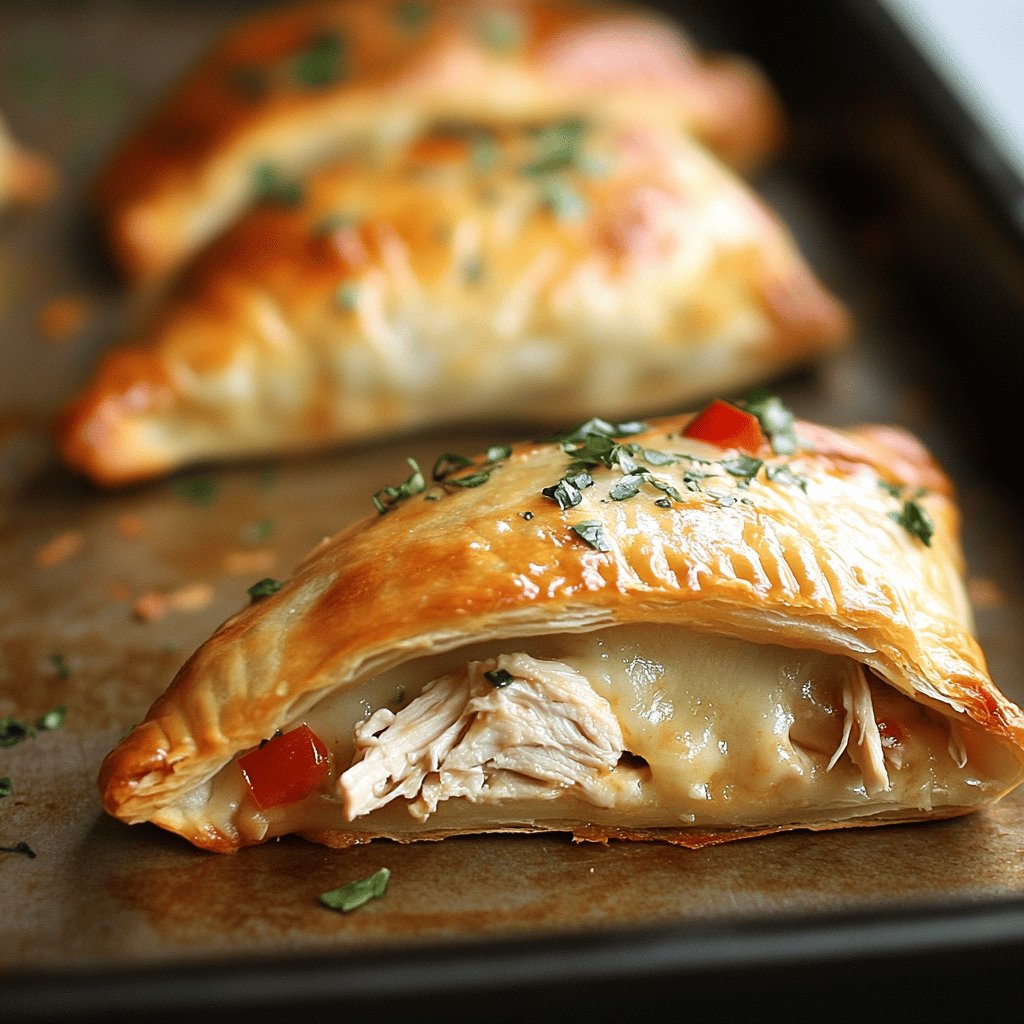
295, 86
680, 631
515, 276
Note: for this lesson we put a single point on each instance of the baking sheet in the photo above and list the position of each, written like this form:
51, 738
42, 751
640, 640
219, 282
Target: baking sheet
110, 917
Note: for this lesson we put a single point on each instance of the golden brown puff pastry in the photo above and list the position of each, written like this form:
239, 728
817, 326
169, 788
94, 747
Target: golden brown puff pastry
25, 177
615, 634
294, 86
543, 273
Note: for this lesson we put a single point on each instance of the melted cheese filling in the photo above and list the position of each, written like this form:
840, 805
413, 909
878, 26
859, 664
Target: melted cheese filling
639, 726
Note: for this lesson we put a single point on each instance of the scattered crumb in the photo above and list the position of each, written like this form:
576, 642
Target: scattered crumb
129, 526
62, 318
64, 546
985, 592
249, 563
155, 605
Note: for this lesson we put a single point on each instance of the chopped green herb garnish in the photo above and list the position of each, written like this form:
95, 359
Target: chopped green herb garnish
23, 848
264, 588
593, 426
321, 63
257, 532
592, 532
628, 487
558, 147
200, 490
785, 475
347, 296
563, 200
387, 497
356, 894
526, 515
471, 480
499, 677
744, 466
6, 786
892, 489
13, 731
269, 187
448, 463
914, 518
52, 719
662, 502
567, 493
501, 30
60, 665
775, 419
498, 452
473, 270
666, 488
484, 152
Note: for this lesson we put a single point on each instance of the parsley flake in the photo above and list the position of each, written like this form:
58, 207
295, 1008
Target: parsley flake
263, 588
23, 848
591, 531
269, 187
13, 731
745, 467
557, 147
321, 63
567, 493
914, 518
347, 296
387, 497
775, 419
357, 894
60, 666
52, 719
6, 787
499, 677
563, 200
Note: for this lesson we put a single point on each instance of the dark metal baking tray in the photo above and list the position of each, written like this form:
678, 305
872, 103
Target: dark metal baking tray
106, 922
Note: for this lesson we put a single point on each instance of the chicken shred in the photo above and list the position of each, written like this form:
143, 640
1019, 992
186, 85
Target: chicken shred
540, 733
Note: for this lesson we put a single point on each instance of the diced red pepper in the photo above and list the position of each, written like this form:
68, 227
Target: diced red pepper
285, 768
726, 426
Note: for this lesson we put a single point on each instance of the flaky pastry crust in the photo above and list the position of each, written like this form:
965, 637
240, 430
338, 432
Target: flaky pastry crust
810, 554
562, 271
296, 85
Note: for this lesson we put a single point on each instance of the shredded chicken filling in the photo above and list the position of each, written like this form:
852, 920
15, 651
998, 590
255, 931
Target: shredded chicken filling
507, 727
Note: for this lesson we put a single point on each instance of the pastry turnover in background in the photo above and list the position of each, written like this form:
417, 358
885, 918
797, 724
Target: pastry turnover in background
684, 631
525, 275
295, 86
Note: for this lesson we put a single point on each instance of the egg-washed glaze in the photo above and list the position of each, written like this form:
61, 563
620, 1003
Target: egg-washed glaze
857, 693
558, 272
293, 86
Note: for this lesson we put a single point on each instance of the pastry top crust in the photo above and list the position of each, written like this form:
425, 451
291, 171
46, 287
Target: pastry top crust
293, 86
588, 268
810, 554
